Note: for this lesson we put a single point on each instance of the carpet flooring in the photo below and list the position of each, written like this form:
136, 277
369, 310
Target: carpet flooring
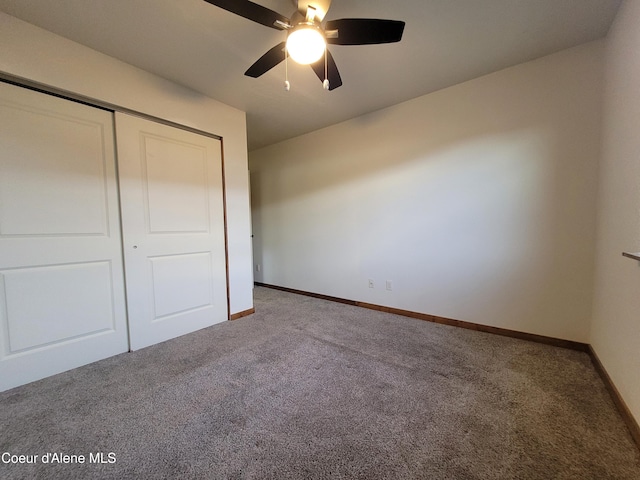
307, 388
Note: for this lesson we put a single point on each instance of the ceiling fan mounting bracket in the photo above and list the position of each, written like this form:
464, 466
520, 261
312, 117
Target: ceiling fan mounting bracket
310, 15
321, 7
282, 25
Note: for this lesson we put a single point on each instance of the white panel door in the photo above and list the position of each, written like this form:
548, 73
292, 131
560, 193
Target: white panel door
173, 229
61, 278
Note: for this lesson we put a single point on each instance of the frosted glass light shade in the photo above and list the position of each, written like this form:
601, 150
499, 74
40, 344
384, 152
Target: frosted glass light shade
306, 44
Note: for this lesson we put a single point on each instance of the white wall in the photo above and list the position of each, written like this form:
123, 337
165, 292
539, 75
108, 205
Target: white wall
615, 334
477, 202
34, 54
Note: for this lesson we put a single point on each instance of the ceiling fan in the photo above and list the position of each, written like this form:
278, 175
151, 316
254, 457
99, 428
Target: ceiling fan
308, 36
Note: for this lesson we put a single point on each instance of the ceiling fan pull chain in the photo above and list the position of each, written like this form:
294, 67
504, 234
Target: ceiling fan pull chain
287, 85
325, 82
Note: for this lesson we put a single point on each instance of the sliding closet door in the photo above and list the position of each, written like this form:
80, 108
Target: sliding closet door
61, 278
173, 229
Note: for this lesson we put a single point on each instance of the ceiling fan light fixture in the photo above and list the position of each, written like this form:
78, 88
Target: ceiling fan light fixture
306, 43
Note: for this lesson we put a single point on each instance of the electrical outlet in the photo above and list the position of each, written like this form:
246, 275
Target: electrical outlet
389, 285
370, 283
258, 267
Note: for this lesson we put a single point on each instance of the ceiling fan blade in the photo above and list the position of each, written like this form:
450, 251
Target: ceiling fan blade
254, 12
332, 71
363, 31
267, 61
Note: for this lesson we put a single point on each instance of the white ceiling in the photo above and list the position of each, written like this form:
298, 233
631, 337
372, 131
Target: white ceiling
208, 49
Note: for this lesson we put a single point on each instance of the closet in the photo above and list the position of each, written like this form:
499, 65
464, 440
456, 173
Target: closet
105, 245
